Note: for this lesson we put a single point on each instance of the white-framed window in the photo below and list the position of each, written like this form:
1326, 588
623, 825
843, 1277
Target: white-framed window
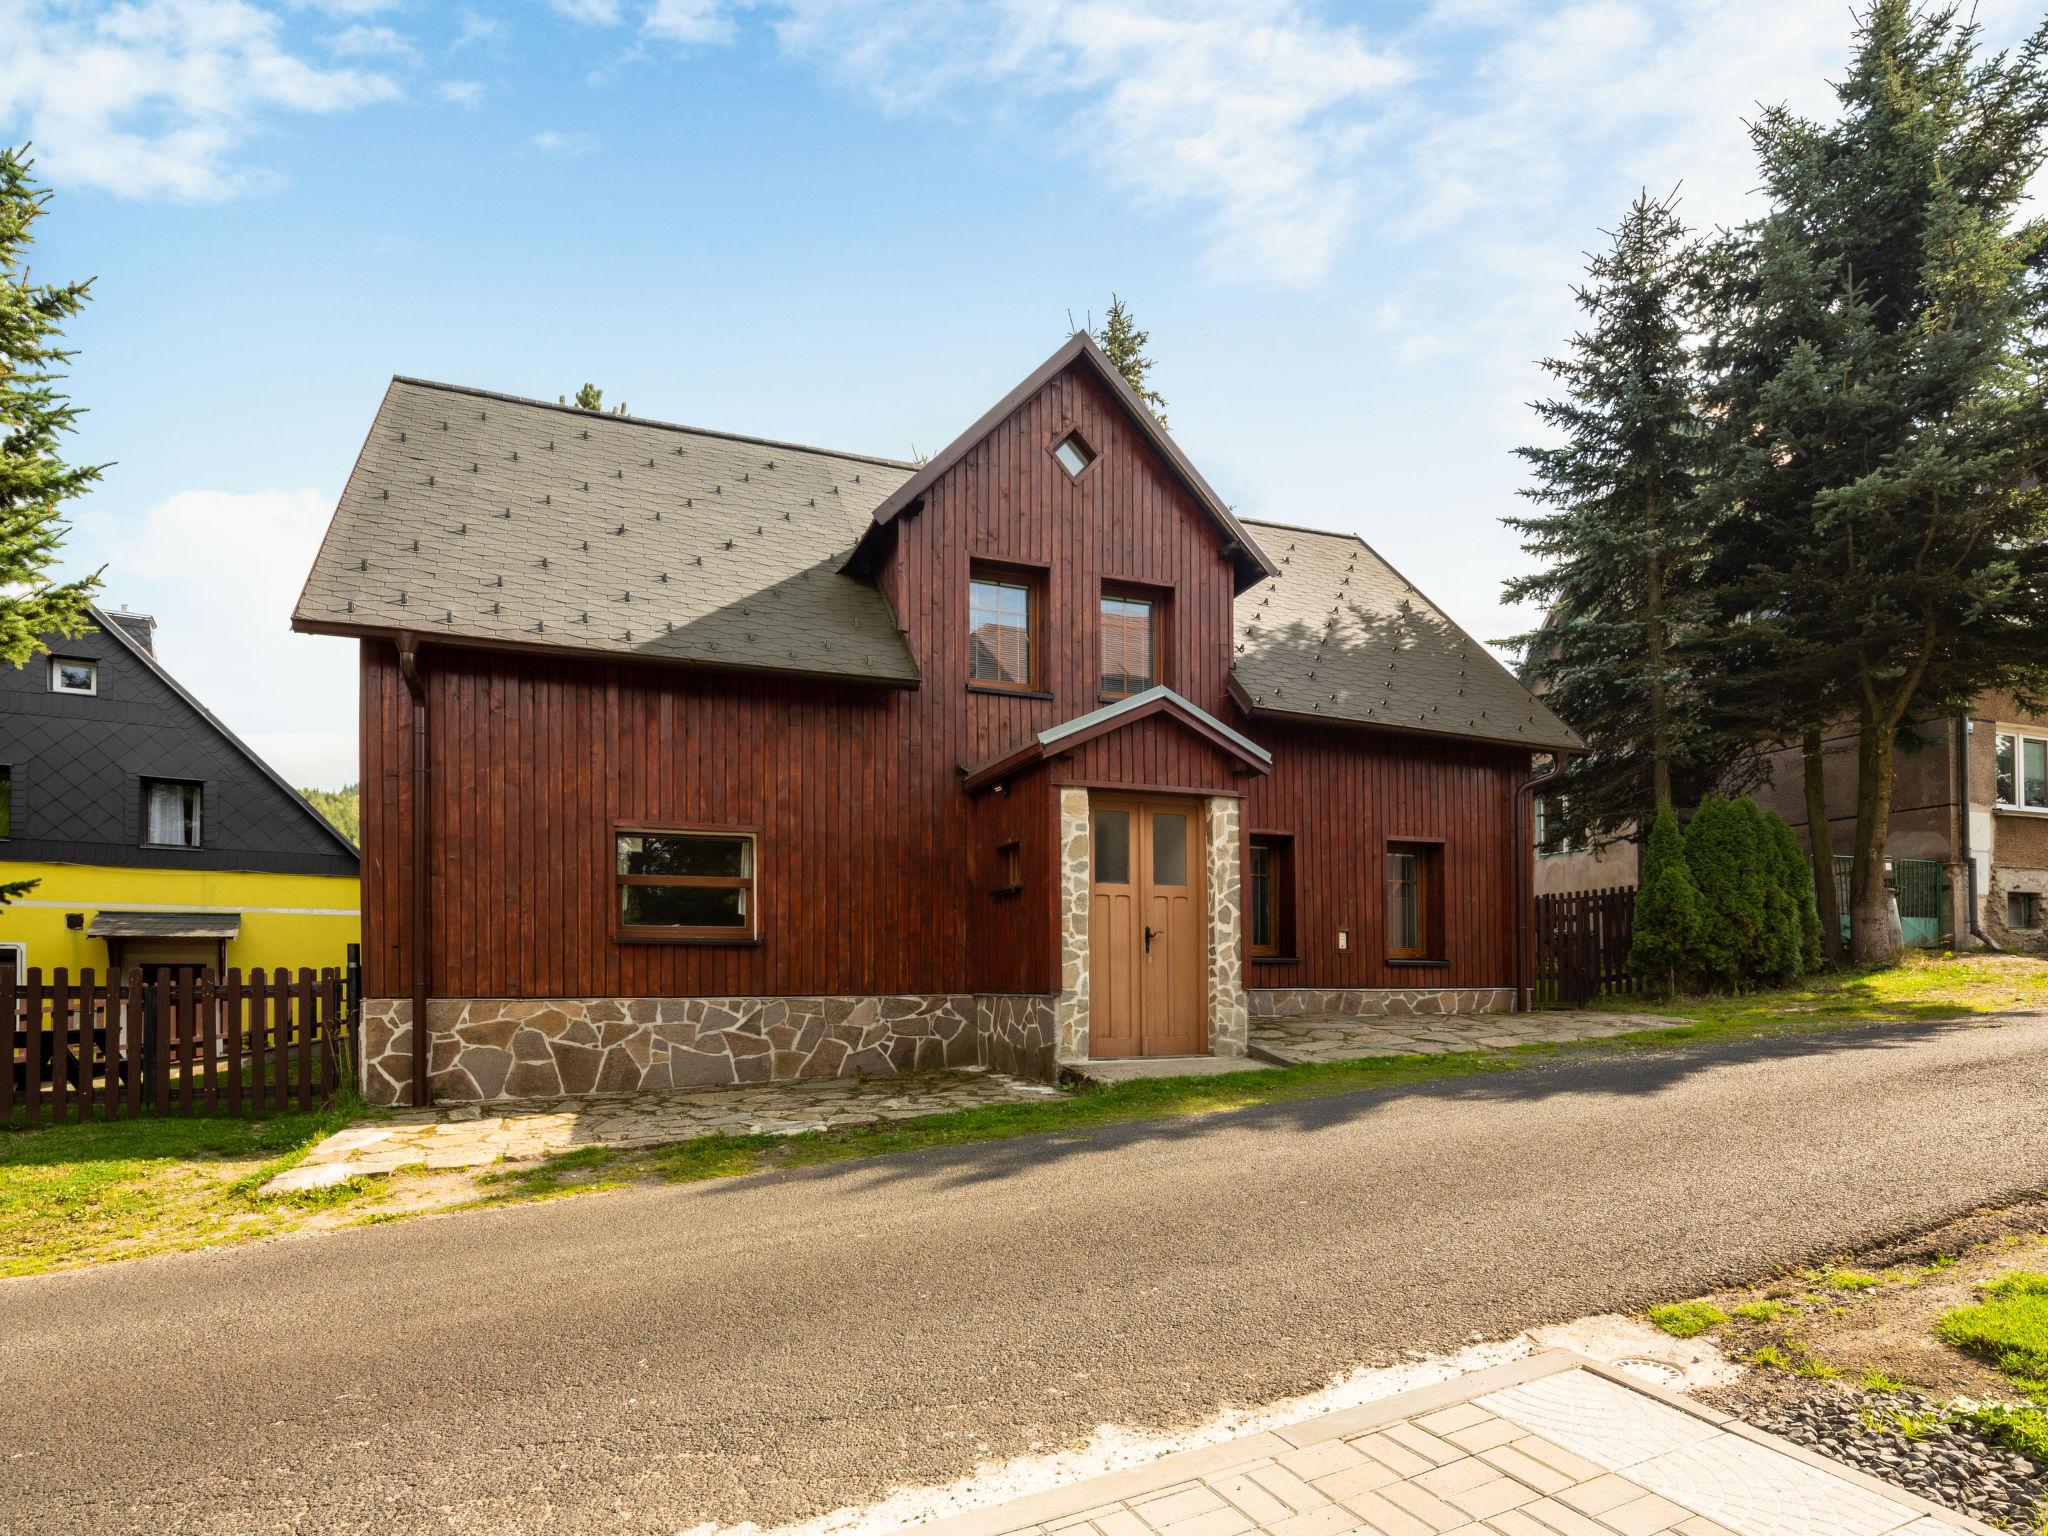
171, 813
14, 956
2022, 771
72, 674
1550, 839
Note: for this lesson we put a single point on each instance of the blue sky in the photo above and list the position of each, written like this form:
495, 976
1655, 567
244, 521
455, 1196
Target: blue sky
1351, 231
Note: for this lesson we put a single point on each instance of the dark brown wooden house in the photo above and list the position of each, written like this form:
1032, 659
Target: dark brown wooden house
695, 758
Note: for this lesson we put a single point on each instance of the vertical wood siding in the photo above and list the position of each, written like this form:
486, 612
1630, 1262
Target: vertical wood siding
874, 866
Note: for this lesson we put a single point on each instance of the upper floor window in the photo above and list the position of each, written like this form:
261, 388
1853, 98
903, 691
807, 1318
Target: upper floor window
1074, 454
69, 675
171, 810
2022, 771
1002, 630
685, 885
1130, 644
1550, 835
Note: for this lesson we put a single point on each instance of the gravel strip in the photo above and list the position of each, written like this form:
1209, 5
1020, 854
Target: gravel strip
1950, 1464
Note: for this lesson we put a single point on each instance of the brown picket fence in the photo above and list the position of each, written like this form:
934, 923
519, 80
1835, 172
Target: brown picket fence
1582, 940
172, 1042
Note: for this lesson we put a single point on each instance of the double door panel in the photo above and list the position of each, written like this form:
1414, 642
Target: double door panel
1147, 929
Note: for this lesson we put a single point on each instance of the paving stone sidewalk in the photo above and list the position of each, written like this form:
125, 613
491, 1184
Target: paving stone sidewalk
1549, 1445
1309, 1039
471, 1136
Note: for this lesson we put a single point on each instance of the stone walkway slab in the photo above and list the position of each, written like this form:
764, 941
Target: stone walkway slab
471, 1136
1132, 1068
1549, 1445
1291, 1041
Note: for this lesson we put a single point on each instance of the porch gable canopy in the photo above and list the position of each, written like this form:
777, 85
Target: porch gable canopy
165, 925
1058, 740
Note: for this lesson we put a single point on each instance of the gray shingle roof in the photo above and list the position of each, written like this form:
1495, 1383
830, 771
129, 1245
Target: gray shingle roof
496, 520
1341, 635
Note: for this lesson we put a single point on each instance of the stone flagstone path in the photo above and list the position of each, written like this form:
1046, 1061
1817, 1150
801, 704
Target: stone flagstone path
1295, 1040
1550, 1445
465, 1136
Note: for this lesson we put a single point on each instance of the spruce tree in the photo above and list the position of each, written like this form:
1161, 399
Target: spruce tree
1124, 344
1721, 852
1619, 539
1795, 878
1664, 940
35, 482
1878, 411
1779, 941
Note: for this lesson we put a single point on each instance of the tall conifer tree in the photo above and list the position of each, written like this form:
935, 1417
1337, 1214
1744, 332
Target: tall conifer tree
1124, 344
1879, 411
35, 482
1619, 537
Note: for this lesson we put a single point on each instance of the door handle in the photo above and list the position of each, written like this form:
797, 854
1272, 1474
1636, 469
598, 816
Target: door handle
1148, 938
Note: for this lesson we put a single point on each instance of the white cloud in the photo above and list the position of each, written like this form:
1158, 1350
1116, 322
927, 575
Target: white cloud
461, 93
689, 21
154, 98
592, 13
548, 141
364, 42
345, 8
292, 697
474, 28
1258, 112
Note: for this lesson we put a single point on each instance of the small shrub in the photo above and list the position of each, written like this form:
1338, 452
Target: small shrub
1665, 938
1687, 1319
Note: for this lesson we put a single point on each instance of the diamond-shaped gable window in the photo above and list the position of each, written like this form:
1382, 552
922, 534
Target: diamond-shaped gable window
1074, 454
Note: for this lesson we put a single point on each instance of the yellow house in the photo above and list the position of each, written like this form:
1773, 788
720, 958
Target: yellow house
153, 834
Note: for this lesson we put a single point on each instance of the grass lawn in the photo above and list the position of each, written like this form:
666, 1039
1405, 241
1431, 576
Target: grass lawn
81, 1194
1924, 985
73, 1194
2008, 1329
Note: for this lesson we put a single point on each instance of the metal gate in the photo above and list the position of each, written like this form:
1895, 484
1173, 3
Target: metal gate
1917, 887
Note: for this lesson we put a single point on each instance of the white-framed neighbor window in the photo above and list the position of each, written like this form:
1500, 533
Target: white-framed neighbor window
70, 674
171, 813
14, 956
1550, 841
2022, 771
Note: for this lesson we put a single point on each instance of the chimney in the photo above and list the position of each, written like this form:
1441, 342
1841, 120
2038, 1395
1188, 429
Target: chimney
139, 627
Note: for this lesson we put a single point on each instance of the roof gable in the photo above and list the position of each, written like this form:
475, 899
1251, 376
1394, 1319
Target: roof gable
1154, 703
1245, 555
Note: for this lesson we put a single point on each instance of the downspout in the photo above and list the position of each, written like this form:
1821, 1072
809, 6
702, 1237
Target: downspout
1968, 859
1525, 901
408, 668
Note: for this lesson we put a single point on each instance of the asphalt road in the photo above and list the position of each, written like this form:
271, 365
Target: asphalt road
769, 1348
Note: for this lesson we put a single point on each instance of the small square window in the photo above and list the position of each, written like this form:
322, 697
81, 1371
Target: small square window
1009, 869
1074, 454
69, 675
172, 811
2021, 909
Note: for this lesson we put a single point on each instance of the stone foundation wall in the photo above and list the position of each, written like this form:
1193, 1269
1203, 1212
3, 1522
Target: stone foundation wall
1376, 1002
483, 1049
1018, 1034
2004, 880
1076, 894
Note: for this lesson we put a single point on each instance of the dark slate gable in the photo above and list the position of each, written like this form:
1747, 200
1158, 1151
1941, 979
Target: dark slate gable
78, 764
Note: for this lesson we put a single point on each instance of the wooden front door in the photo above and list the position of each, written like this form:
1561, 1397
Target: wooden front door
1148, 929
